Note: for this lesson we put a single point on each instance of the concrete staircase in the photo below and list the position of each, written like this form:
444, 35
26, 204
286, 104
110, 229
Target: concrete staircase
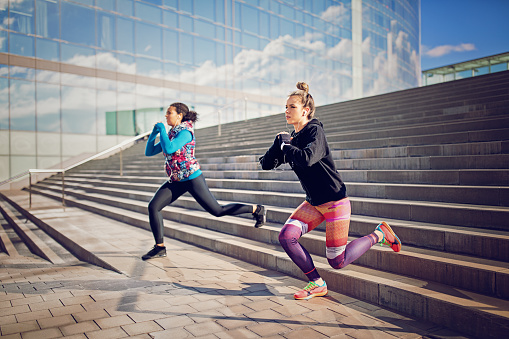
433, 162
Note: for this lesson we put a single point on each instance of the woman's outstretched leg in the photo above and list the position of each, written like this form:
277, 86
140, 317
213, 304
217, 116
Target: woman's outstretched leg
339, 254
201, 193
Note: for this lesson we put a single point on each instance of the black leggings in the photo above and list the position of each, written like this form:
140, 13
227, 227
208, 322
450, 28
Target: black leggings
197, 187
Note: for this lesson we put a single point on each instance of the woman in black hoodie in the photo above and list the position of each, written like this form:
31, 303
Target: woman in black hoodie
307, 152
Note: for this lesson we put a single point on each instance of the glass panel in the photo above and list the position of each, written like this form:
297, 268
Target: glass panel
106, 4
220, 12
220, 33
4, 14
185, 23
220, 54
205, 29
204, 50
125, 35
125, 7
4, 103
106, 84
171, 3
106, 112
74, 18
126, 64
464, 74
77, 80
499, 67
170, 45
22, 100
249, 19
186, 6
170, 19
148, 40
171, 72
155, 2
47, 23
76, 55
20, 163
205, 9
186, 48
274, 27
264, 24
249, 41
148, 13
22, 73
78, 110
48, 76
106, 60
3, 41
21, 44
48, 107
149, 67
5, 161
22, 16
47, 49
481, 70
106, 31
85, 2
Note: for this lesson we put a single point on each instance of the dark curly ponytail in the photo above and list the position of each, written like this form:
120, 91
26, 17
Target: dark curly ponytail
186, 113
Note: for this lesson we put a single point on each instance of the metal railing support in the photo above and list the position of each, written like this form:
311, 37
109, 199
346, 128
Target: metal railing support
29, 189
63, 188
219, 123
121, 163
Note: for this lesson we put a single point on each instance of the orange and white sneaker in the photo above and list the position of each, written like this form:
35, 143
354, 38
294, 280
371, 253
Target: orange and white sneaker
390, 238
311, 290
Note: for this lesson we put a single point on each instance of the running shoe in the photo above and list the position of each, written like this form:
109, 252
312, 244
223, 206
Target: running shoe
260, 215
389, 237
311, 290
155, 252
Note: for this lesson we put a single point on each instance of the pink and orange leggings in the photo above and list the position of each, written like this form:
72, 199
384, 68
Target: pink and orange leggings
337, 220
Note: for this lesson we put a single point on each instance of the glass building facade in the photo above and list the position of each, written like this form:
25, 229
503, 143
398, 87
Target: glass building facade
79, 76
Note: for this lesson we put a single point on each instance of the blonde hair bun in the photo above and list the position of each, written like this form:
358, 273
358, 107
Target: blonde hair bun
303, 86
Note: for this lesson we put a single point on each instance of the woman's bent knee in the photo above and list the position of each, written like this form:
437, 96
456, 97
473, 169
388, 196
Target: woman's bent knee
337, 263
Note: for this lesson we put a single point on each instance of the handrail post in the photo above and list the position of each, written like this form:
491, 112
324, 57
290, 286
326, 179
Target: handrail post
245, 109
29, 189
63, 188
121, 163
219, 123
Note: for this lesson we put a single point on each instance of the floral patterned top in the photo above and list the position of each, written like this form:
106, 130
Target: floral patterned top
181, 164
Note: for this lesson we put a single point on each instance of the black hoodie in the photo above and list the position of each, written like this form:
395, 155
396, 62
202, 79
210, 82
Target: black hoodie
310, 158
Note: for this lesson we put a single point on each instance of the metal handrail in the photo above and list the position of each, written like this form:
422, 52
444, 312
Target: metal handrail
62, 171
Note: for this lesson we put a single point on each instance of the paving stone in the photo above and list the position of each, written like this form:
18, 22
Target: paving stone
265, 329
19, 327
204, 328
43, 334
143, 327
114, 332
62, 320
88, 326
114, 321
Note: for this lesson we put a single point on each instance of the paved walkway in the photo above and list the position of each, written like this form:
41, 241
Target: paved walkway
191, 293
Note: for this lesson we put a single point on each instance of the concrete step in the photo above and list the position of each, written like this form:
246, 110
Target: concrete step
339, 132
477, 177
478, 216
35, 239
404, 294
489, 195
461, 240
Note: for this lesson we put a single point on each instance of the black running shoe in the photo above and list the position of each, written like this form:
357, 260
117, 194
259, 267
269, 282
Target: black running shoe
260, 215
155, 252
